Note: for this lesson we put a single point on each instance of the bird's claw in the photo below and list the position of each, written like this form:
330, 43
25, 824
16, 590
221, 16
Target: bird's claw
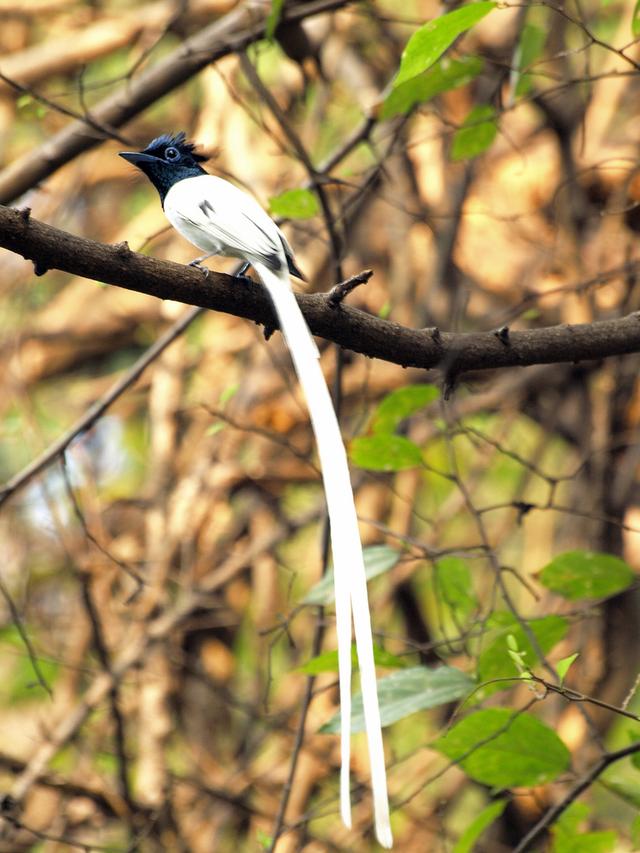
199, 266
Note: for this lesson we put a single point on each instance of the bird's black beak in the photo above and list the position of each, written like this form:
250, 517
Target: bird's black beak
138, 157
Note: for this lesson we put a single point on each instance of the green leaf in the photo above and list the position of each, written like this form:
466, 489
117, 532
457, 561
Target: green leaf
273, 18
264, 839
530, 47
635, 832
294, 204
447, 74
635, 756
377, 560
23, 680
401, 404
215, 428
498, 747
229, 392
572, 817
467, 841
23, 684
478, 131
328, 661
567, 837
495, 662
453, 585
563, 666
635, 21
407, 691
586, 574
428, 43
623, 789
385, 453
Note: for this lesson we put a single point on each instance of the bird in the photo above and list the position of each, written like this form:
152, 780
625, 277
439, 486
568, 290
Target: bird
219, 218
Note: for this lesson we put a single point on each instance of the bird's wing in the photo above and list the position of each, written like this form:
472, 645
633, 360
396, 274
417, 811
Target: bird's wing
210, 211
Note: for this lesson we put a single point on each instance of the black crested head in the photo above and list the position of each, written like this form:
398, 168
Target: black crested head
167, 160
186, 150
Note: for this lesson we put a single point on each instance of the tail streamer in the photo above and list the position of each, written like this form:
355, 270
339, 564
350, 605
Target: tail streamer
348, 562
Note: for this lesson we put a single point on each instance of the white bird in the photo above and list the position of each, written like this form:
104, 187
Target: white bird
221, 219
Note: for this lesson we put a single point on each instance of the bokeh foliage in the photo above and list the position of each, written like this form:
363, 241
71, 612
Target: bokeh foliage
160, 579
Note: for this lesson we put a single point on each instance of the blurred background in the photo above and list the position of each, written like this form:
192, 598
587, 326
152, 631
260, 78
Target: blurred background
152, 575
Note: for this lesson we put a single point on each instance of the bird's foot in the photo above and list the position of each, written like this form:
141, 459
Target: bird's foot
245, 279
242, 276
197, 264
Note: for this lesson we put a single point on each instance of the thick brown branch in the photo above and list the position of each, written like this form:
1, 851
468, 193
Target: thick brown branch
453, 353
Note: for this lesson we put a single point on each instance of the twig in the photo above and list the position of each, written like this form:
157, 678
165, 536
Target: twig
108, 804
104, 657
17, 621
94, 412
575, 696
104, 130
89, 535
340, 292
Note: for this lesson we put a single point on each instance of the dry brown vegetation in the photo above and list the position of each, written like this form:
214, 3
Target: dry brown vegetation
152, 568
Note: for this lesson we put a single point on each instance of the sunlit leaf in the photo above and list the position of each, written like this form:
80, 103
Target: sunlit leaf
385, 453
408, 691
294, 204
453, 585
530, 47
401, 404
629, 791
467, 841
635, 21
229, 392
635, 757
377, 560
502, 748
476, 134
273, 18
495, 662
445, 75
264, 839
26, 677
563, 666
328, 661
428, 43
586, 574
215, 428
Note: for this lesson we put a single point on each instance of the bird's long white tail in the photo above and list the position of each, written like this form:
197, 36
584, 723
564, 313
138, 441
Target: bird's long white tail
348, 563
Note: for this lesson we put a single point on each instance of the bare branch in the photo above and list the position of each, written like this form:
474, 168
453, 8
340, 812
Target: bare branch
453, 353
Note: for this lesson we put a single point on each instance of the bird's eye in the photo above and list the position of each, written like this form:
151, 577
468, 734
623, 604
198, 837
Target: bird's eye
171, 154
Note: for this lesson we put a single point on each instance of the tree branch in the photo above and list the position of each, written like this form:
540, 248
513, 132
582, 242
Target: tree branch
453, 353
